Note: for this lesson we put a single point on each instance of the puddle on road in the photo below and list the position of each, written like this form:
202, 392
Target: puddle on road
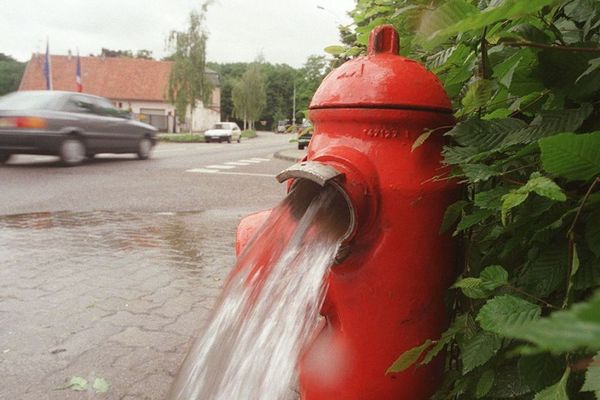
191, 242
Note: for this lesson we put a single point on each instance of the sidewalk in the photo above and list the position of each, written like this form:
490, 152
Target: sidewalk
290, 155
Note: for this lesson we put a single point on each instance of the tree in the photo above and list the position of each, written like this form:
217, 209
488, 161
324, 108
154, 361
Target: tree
143, 53
188, 83
116, 53
229, 74
11, 72
279, 81
524, 77
249, 96
308, 79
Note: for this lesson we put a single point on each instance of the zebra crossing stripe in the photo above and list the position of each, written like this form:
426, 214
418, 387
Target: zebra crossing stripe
237, 163
203, 170
220, 166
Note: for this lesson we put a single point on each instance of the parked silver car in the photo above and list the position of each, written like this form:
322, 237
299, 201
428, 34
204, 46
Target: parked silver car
223, 131
70, 125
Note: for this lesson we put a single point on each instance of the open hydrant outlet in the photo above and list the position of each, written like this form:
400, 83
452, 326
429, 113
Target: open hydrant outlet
309, 179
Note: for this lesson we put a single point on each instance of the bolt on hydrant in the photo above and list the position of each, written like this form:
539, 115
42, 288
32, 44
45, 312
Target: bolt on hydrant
386, 292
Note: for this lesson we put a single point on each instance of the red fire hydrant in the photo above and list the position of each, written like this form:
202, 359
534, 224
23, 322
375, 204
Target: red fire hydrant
386, 293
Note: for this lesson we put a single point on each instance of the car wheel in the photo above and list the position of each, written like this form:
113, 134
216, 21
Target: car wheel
4, 157
72, 151
239, 138
229, 139
300, 147
144, 148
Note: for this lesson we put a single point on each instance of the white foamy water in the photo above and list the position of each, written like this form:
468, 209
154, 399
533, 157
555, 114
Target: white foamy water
269, 308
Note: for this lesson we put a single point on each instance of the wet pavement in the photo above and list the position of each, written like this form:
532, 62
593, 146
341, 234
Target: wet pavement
113, 296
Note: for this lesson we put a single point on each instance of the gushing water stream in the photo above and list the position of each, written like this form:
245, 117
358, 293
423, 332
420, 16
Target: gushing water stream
269, 307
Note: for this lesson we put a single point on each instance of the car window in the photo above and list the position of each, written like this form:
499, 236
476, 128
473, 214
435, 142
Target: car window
34, 100
79, 104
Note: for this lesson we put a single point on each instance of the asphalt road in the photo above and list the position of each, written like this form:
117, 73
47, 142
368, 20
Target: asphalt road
163, 183
108, 270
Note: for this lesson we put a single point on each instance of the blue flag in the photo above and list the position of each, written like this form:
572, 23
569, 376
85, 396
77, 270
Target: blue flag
48, 67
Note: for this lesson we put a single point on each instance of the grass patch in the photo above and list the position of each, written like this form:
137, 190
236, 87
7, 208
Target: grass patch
249, 134
181, 138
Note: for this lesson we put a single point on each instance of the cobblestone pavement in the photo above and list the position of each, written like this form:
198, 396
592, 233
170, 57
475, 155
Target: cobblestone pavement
108, 295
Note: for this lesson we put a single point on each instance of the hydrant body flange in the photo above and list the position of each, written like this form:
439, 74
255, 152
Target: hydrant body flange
387, 294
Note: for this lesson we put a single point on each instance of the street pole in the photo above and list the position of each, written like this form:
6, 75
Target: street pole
294, 105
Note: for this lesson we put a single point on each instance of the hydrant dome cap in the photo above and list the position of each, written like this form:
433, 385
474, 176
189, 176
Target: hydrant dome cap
382, 79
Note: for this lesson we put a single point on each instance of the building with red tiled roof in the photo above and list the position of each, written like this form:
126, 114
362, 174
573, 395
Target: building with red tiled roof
133, 84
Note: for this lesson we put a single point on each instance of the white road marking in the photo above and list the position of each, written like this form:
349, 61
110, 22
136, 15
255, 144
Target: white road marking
251, 161
260, 159
237, 163
214, 171
220, 166
203, 170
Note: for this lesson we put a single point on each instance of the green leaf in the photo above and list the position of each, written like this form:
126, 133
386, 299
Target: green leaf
594, 65
538, 184
100, 385
421, 139
478, 172
485, 383
491, 199
547, 123
471, 20
509, 383
472, 219
491, 278
505, 313
557, 391
476, 136
472, 288
592, 232
546, 272
440, 18
588, 275
574, 268
447, 337
505, 70
592, 376
494, 276
479, 93
572, 156
408, 358
479, 350
541, 370
334, 50
563, 331
78, 383
545, 187
511, 200
452, 214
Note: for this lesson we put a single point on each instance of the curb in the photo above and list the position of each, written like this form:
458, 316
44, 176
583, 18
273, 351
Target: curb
290, 155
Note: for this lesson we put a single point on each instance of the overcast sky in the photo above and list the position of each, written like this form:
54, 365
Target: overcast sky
283, 31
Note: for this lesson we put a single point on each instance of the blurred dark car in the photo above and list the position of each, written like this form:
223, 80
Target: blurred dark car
305, 134
70, 125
